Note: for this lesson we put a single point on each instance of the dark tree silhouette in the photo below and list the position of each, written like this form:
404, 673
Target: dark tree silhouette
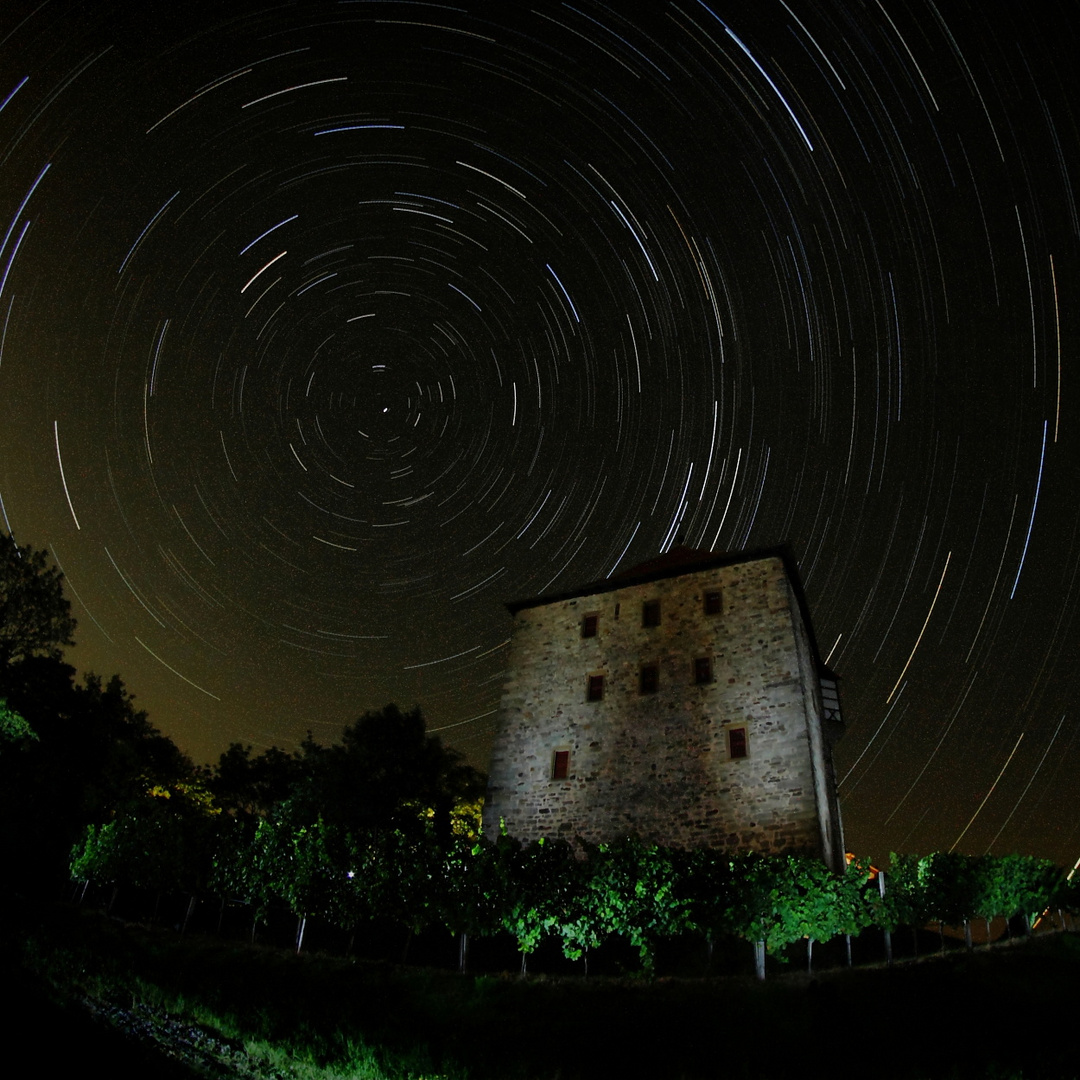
35, 616
388, 773
93, 753
247, 786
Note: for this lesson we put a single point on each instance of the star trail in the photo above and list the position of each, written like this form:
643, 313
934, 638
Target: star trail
328, 328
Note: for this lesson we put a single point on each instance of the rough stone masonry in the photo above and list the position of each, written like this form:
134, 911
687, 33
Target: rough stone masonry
683, 701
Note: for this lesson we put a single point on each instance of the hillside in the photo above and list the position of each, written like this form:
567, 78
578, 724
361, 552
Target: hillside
1003, 1011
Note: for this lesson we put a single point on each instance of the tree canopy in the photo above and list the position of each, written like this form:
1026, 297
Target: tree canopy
387, 773
13, 726
35, 616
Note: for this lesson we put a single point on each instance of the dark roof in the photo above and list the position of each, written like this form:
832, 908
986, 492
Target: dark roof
679, 560
683, 560
674, 563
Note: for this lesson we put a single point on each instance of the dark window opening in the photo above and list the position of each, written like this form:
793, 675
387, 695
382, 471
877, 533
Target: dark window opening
703, 669
650, 613
714, 602
830, 698
649, 681
736, 742
560, 765
595, 690
589, 625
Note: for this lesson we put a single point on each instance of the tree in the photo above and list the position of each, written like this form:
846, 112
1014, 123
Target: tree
775, 900
640, 895
162, 840
1029, 886
285, 859
387, 773
362, 829
384, 875
853, 902
582, 923
708, 885
35, 616
953, 884
250, 787
474, 892
93, 753
539, 880
824, 904
125, 752
14, 729
904, 899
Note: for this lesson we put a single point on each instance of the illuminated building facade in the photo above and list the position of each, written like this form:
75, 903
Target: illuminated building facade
683, 701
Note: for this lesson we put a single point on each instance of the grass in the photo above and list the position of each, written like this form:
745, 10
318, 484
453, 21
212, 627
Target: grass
1004, 1012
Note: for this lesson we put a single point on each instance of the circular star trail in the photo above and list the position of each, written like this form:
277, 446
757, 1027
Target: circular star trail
326, 329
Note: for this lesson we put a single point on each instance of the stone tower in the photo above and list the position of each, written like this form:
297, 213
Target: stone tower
683, 701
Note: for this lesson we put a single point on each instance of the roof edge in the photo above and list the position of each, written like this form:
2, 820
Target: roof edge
612, 584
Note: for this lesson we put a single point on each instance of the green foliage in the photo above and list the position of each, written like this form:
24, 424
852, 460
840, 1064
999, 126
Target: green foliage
473, 888
385, 826
708, 886
539, 885
951, 887
387, 773
780, 899
764, 903
381, 825
854, 894
352, 1015
95, 752
287, 859
1028, 885
636, 893
35, 616
162, 841
233, 871
579, 924
952, 884
906, 899
643, 893
828, 904
385, 874
627, 888
14, 729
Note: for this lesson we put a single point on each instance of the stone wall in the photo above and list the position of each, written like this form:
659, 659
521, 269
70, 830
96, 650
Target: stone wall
659, 764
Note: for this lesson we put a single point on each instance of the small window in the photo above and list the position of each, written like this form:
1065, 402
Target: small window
649, 679
595, 688
589, 625
560, 765
650, 613
703, 669
736, 742
714, 602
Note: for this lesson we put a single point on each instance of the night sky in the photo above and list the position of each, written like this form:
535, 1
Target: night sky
326, 329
